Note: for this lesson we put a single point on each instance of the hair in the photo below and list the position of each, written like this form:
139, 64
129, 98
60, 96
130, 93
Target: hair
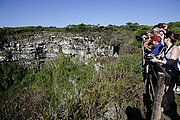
162, 31
148, 37
171, 36
160, 25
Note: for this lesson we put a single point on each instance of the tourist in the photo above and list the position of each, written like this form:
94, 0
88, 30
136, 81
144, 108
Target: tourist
169, 62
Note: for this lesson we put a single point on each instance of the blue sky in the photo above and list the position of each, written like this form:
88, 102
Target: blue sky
61, 13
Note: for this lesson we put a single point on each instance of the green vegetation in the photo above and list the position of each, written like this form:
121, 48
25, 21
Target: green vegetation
68, 89
118, 86
175, 27
10, 73
56, 79
115, 85
8, 34
59, 78
75, 86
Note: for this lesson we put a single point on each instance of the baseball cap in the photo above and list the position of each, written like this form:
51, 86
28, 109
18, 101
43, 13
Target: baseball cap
156, 38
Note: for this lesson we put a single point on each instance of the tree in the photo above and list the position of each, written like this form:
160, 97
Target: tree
132, 26
141, 30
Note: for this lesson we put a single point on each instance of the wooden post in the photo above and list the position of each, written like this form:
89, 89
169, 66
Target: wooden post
159, 92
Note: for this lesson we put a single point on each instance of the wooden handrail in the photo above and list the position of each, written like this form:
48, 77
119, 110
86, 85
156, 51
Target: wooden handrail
158, 75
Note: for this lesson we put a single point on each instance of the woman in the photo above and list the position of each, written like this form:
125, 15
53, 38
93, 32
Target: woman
148, 45
169, 61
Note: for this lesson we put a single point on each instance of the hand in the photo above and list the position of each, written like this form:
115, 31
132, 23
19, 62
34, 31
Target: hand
159, 56
165, 27
154, 59
166, 88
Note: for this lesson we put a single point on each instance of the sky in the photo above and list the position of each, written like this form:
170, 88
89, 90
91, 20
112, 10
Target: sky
61, 13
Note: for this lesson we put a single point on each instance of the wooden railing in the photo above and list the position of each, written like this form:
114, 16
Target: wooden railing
154, 77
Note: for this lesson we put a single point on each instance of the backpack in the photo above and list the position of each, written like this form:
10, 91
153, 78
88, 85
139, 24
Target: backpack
172, 70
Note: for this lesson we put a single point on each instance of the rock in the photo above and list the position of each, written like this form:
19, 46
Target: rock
43, 49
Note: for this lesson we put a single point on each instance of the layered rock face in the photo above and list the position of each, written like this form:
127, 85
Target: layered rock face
42, 49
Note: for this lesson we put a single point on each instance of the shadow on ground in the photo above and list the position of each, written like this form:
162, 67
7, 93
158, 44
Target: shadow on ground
133, 113
171, 114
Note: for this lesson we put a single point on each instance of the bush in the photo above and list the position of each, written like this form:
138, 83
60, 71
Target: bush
10, 73
61, 77
116, 87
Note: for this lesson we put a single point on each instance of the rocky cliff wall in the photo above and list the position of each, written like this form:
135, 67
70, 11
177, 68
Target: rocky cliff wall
39, 49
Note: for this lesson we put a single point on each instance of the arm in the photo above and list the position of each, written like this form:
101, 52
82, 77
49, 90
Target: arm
157, 49
165, 27
158, 61
175, 54
173, 58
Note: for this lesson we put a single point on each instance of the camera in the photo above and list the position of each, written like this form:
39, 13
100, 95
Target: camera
149, 57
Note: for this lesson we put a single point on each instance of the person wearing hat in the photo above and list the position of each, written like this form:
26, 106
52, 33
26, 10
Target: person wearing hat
156, 40
159, 32
169, 61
